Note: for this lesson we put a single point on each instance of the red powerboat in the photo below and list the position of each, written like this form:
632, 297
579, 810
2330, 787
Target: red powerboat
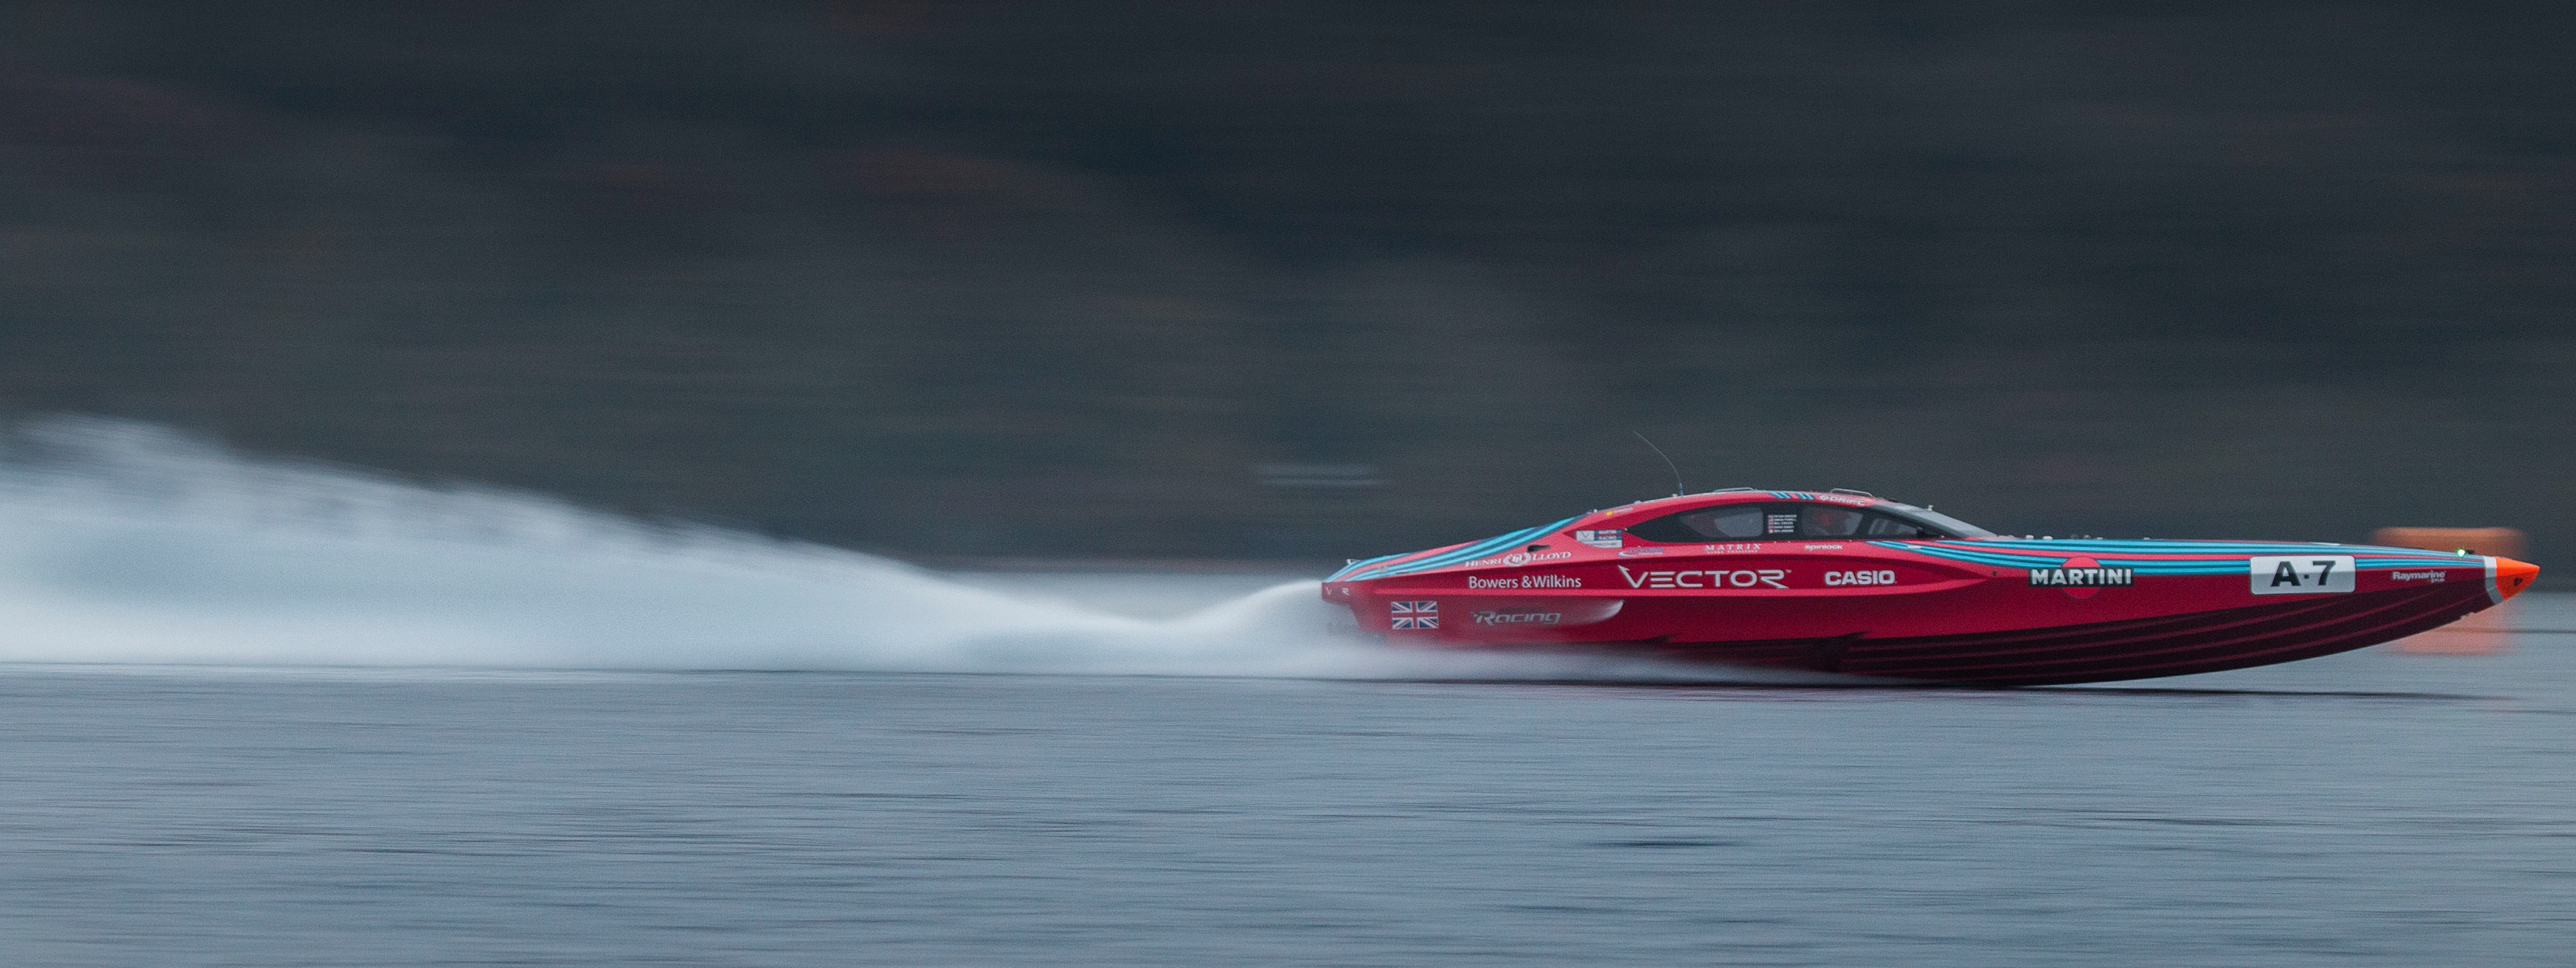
1846, 582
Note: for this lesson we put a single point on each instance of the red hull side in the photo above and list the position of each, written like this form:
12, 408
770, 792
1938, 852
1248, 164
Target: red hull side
2110, 651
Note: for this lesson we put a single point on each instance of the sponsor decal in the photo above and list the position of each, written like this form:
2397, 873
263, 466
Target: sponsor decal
2436, 575
1824, 547
1851, 499
1729, 549
2300, 574
1880, 577
1601, 538
1526, 581
1409, 616
2083, 577
1641, 552
1782, 524
1518, 558
1516, 618
1716, 578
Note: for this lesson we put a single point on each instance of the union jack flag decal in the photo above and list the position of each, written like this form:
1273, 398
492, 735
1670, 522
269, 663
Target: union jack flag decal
1412, 615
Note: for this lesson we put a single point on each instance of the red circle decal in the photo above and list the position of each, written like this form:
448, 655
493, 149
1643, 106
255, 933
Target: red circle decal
2082, 591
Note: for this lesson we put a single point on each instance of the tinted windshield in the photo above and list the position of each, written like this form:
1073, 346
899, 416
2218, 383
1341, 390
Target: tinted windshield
1784, 521
1947, 525
1828, 521
1723, 521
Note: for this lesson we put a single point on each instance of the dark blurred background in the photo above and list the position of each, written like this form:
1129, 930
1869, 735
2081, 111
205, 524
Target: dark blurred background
1303, 281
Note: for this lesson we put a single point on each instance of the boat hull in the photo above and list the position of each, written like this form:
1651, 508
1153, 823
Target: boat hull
2185, 644
1983, 611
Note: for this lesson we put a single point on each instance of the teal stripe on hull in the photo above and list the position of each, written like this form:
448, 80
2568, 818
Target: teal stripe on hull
1471, 552
2055, 554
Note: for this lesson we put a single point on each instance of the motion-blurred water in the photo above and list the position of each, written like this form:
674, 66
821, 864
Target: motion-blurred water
124, 543
256, 715
2373, 808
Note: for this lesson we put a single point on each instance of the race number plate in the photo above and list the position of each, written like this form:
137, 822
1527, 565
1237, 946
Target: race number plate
2301, 574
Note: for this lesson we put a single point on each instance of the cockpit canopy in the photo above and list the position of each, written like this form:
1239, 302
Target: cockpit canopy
1782, 520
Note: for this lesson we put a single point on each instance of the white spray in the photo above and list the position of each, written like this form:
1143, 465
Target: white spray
125, 543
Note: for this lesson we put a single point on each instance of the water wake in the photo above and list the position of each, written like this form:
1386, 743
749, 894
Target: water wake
125, 543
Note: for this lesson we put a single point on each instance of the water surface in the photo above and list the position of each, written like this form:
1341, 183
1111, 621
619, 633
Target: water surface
2373, 808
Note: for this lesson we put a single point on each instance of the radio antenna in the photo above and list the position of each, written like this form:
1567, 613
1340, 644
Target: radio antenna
1668, 462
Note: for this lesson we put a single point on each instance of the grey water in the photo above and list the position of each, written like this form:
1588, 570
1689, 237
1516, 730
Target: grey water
257, 714
2372, 808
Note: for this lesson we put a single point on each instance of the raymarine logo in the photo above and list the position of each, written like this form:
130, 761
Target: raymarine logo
1518, 618
2432, 576
1719, 578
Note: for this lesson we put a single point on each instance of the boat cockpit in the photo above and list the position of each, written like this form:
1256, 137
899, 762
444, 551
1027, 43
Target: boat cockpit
1793, 520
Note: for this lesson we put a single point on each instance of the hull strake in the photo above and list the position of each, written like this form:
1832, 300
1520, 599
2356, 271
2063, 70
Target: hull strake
2134, 649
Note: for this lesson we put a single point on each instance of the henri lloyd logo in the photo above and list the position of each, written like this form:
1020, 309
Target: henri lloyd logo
1517, 559
1411, 616
2083, 577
